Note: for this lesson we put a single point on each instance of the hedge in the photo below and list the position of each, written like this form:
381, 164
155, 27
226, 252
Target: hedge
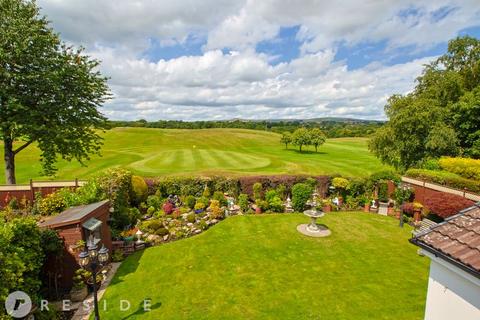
465, 167
445, 178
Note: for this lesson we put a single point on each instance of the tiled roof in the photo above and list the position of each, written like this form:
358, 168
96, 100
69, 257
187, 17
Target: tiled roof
457, 239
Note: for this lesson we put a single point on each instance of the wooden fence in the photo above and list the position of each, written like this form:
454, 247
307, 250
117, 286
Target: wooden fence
27, 191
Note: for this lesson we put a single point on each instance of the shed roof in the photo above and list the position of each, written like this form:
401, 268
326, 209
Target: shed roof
456, 240
72, 215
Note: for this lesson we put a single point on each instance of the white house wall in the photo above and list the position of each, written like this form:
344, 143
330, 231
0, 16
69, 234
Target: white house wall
452, 293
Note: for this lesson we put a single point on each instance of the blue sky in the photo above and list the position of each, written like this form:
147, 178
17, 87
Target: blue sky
221, 59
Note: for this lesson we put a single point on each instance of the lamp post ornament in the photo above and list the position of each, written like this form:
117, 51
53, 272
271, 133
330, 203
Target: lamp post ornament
93, 260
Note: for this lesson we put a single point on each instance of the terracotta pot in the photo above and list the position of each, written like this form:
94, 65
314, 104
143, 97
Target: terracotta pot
327, 208
390, 211
417, 215
397, 214
366, 208
258, 210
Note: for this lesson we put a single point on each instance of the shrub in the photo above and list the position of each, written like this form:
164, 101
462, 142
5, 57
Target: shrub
282, 191
52, 204
139, 190
257, 191
340, 183
445, 178
274, 202
430, 164
445, 204
206, 192
270, 194
262, 204
311, 182
191, 217
464, 167
301, 192
162, 231
381, 175
356, 187
243, 202
154, 201
117, 256
168, 207
215, 210
199, 206
383, 191
151, 226
402, 195
190, 201
218, 196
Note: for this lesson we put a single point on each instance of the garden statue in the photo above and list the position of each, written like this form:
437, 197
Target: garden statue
288, 206
374, 204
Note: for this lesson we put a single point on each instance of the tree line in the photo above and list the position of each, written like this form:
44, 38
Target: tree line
441, 117
304, 137
332, 128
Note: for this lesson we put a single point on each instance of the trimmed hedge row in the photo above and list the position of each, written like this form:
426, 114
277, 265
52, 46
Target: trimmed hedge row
465, 167
445, 178
195, 185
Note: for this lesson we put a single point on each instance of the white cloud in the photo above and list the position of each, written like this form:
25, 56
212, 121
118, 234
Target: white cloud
244, 83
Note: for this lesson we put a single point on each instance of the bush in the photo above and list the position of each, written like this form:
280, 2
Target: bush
301, 192
243, 202
191, 217
446, 204
430, 164
356, 187
151, 226
275, 204
282, 191
257, 191
383, 191
52, 204
444, 178
218, 196
162, 231
139, 190
340, 183
168, 207
190, 201
199, 206
382, 175
464, 167
117, 256
154, 201
263, 205
206, 192
215, 210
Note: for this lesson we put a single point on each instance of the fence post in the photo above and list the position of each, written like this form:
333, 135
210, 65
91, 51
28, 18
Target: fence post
32, 191
76, 183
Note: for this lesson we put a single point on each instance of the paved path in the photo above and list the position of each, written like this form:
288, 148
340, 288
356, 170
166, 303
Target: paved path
81, 313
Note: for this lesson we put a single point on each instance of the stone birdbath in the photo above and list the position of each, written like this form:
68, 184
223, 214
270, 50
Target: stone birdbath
313, 229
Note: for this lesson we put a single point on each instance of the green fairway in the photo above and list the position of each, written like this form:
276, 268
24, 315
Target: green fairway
156, 152
260, 267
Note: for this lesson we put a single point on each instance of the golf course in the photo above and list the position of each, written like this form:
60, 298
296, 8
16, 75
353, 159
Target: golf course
160, 152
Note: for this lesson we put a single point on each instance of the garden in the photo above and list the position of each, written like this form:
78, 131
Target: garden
158, 211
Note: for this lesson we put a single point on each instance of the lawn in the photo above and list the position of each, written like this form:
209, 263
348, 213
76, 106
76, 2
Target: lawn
157, 152
260, 267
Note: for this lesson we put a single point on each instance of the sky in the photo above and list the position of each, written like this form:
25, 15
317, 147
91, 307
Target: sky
265, 59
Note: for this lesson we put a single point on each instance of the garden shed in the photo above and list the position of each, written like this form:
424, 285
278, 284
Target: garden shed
77, 226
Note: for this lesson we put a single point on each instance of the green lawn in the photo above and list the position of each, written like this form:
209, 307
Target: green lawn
260, 267
155, 152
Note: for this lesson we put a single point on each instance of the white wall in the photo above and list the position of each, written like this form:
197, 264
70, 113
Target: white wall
453, 294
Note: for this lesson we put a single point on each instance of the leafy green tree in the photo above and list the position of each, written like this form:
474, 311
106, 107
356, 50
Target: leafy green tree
317, 138
49, 92
440, 117
286, 139
301, 137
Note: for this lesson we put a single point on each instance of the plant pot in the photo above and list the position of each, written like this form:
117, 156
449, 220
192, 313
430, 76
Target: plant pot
78, 295
366, 208
390, 211
258, 210
397, 214
417, 215
327, 208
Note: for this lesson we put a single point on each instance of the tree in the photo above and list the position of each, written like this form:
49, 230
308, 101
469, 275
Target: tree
49, 92
317, 138
286, 139
301, 137
440, 117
